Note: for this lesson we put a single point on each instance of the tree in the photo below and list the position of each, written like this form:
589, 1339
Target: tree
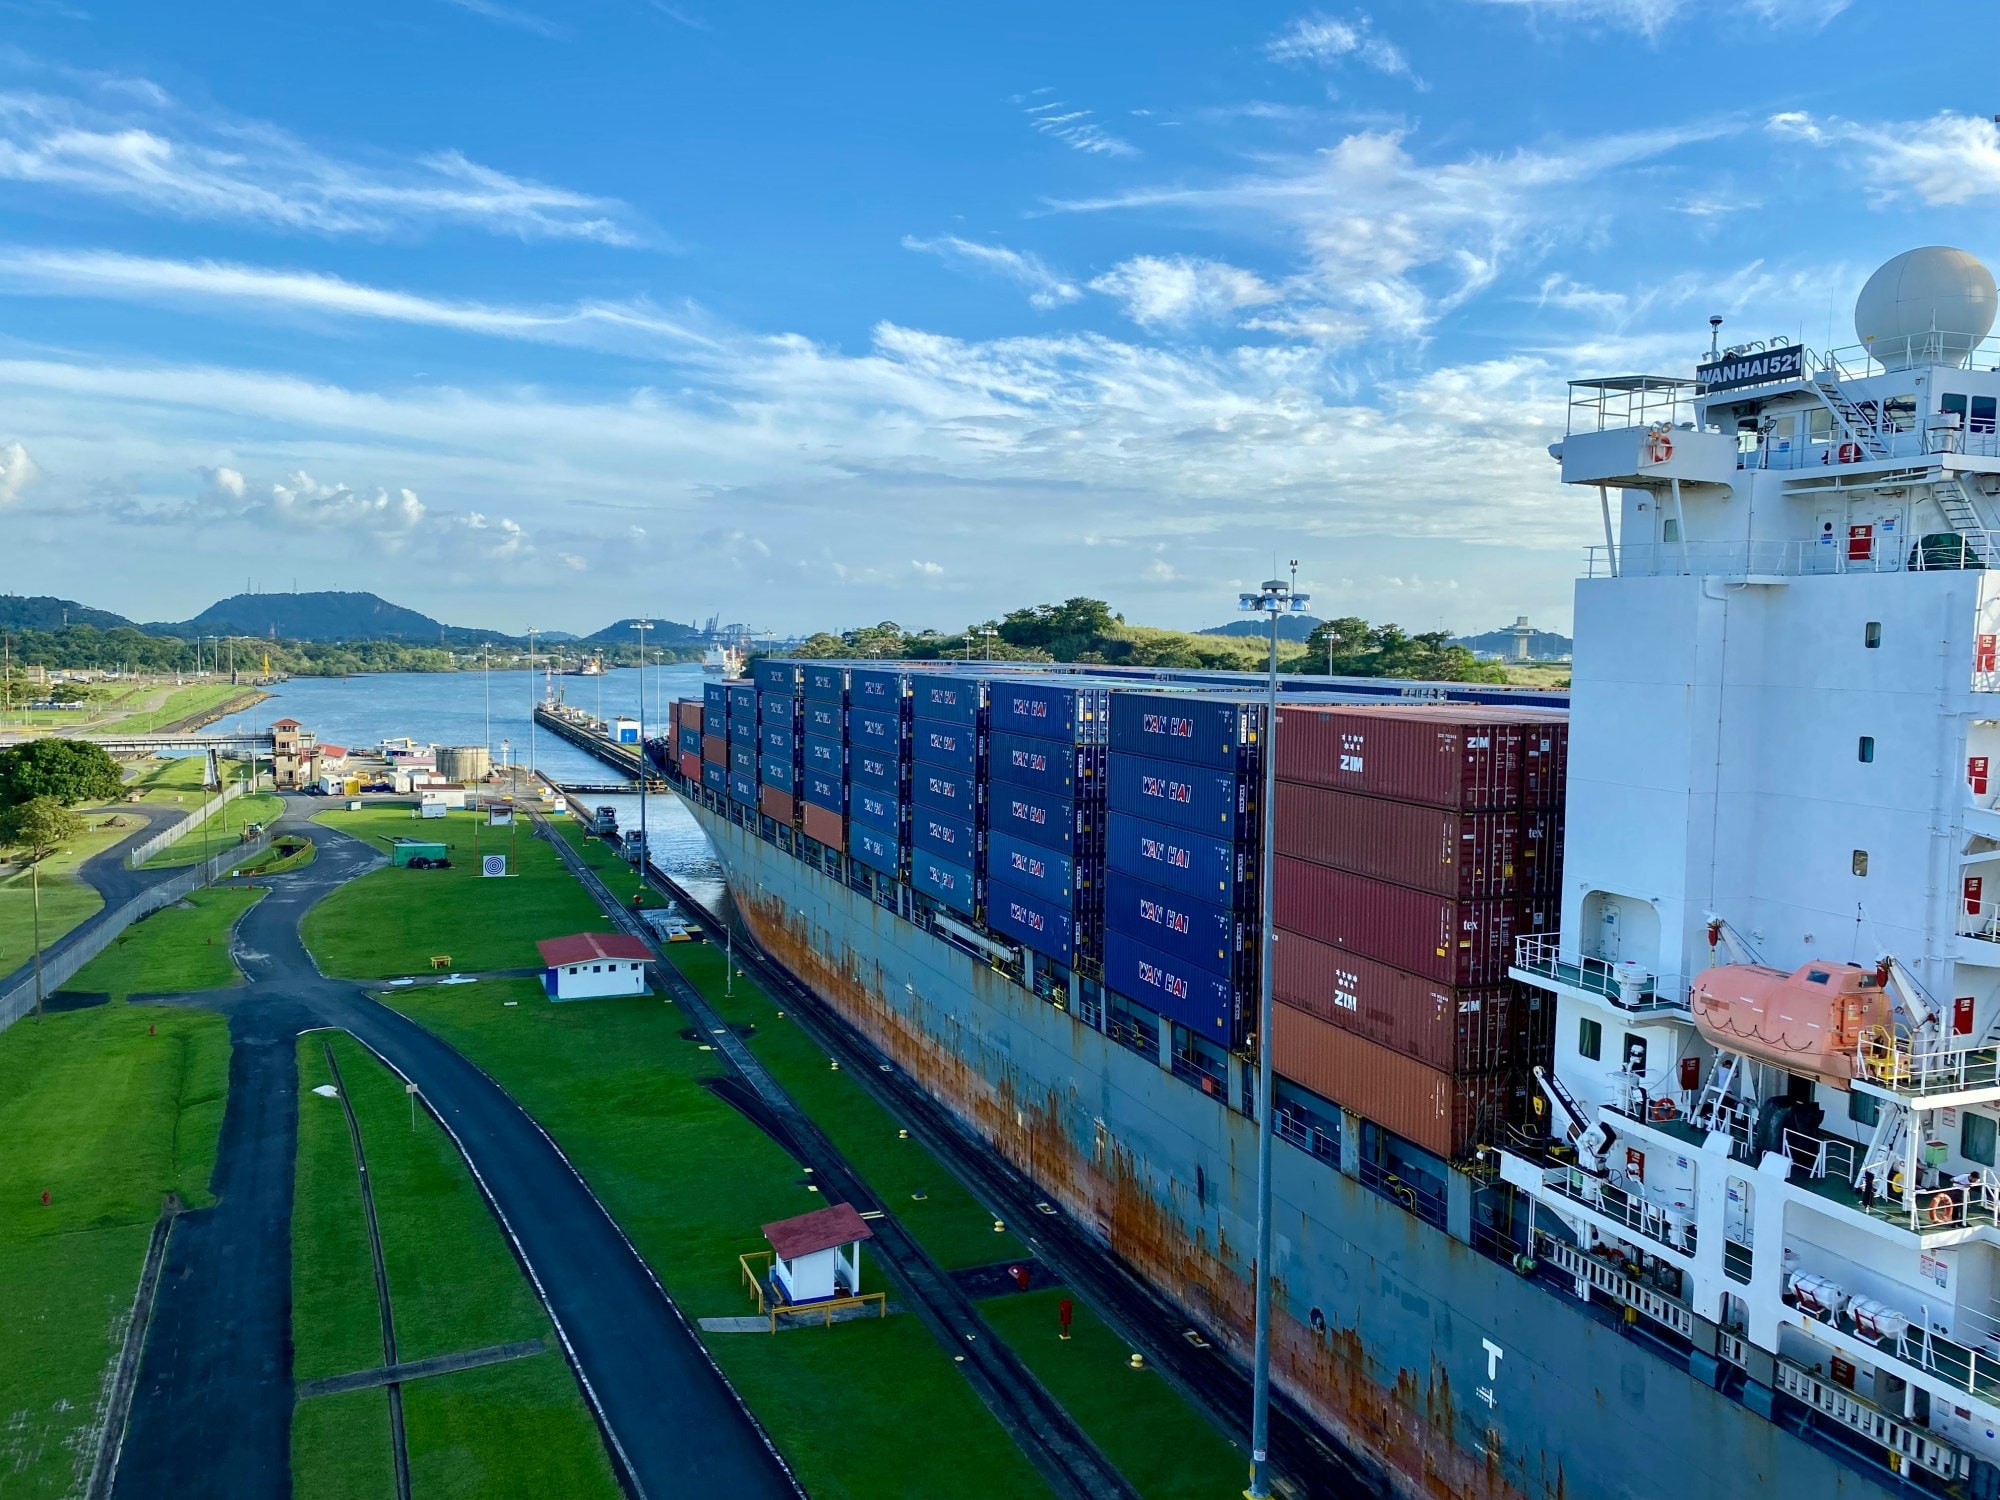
69, 771
41, 826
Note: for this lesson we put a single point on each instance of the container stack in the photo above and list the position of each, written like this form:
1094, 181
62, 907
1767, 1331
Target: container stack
947, 731
778, 738
715, 737
1414, 844
742, 736
1181, 852
877, 720
1044, 855
687, 738
822, 777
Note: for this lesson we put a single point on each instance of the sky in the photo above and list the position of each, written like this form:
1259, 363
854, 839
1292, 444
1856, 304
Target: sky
533, 313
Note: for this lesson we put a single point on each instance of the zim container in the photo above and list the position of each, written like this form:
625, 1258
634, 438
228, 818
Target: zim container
689, 766
1048, 711
1041, 925
876, 808
715, 776
1203, 1002
944, 834
824, 683
949, 700
715, 749
1216, 731
827, 720
776, 739
944, 882
876, 728
1459, 943
743, 761
829, 792
826, 826
1216, 803
1446, 1116
1034, 868
940, 742
776, 805
1193, 864
780, 772
940, 786
1072, 771
1467, 855
873, 687
1213, 937
743, 788
1039, 817
777, 675
876, 768
875, 849
1457, 1031
1462, 758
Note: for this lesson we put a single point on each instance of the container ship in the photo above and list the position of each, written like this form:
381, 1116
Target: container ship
1636, 1054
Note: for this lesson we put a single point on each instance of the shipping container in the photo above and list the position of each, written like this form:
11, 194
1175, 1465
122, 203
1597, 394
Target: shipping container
1042, 925
1039, 817
714, 705
822, 790
778, 708
875, 849
1217, 731
879, 729
1049, 711
825, 684
876, 808
742, 698
1217, 803
688, 741
776, 674
743, 761
1071, 771
775, 804
692, 714
690, 766
940, 786
1035, 868
776, 739
1205, 1003
827, 720
743, 788
944, 882
875, 687
715, 776
828, 757
1213, 937
947, 700
1445, 1115
825, 826
876, 768
1460, 943
1467, 855
938, 742
944, 834
1193, 864
1462, 758
1477, 1030
1544, 758
715, 749
742, 731
780, 771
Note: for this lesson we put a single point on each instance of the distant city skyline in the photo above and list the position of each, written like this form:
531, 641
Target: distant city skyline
814, 317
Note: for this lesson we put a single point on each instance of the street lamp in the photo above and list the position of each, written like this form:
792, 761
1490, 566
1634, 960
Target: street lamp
1276, 597
645, 835
986, 634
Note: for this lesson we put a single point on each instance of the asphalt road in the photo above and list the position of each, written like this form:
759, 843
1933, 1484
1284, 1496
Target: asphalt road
105, 873
213, 1409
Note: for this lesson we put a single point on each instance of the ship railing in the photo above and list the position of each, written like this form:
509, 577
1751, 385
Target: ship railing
1204, 1074
1625, 1204
1913, 351
1298, 1127
1624, 986
1915, 1444
1973, 1370
1591, 1274
1796, 557
1834, 450
1909, 1065
1823, 1155
1419, 1198
1736, 1259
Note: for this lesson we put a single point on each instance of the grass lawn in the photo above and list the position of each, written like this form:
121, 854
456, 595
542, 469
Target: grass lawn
180, 947
225, 830
1152, 1434
274, 861
858, 1409
182, 703
106, 1119
391, 922
515, 1429
340, 1445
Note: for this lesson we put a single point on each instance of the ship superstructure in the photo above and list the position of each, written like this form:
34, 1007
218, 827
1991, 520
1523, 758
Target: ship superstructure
1776, 1080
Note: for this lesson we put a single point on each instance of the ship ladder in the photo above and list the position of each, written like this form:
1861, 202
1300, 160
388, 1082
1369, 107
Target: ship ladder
1857, 428
1963, 517
1884, 1156
1711, 1110
1564, 1100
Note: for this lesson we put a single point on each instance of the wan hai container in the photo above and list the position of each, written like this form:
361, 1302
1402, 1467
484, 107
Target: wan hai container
876, 768
953, 885
1216, 803
1212, 730
942, 787
1212, 937
1457, 943
1201, 1001
1045, 765
948, 700
1039, 817
1042, 925
1049, 711
1467, 759
875, 849
1193, 864
825, 684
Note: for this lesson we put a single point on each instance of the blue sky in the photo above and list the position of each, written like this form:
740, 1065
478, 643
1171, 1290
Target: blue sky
524, 312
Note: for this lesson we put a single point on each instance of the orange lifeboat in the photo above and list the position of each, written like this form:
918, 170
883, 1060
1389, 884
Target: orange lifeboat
1808, 1022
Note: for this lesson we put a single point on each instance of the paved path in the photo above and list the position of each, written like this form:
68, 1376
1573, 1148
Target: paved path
213, 1411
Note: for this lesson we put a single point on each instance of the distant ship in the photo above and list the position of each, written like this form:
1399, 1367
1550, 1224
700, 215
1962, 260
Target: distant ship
592, 666
722, 661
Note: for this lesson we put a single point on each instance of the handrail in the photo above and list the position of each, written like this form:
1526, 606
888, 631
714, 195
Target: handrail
1626, 1205
1794, 557
1626, 986
1908, 1064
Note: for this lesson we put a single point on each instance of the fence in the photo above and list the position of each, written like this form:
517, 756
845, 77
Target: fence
80, 947
168, 837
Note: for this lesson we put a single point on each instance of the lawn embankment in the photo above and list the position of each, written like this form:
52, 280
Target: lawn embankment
180, 947
224, 831
515, 1429
106, 1110
393, 922
202, 702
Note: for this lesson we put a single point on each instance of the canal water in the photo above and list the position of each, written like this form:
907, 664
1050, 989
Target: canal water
493, 709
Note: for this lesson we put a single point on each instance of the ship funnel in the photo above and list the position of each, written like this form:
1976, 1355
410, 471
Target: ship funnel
1926, 307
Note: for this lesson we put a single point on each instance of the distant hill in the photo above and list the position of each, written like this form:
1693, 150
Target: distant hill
1290, 627
322, 617
658, 633
1543, 645
46, 612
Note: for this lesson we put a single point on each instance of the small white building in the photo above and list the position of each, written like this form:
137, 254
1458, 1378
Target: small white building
442, 796
625, 731
592, 965
818, 1255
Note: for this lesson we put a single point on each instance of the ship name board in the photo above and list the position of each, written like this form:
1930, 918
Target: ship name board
1787, 362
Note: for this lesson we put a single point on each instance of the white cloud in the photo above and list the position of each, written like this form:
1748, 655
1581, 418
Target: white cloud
1045, 288
507, 15
301, 500
1174, 291
1652, 16
928, 569
17, 472
1324, 41
498, 538
224, 482
1947, 159
1076, 128
574, 562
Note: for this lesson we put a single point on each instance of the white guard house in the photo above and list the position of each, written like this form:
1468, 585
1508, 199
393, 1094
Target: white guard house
592, 965
625, 731
818, 1255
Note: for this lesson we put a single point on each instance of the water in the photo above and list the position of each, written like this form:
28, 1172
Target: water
492, 709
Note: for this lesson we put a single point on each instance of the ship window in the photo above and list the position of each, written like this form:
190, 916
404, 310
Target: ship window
1871, 635
1863, 1109
1866, 749
1975, 1138
1589, 1039
1899, 413
1819, 424
1984, 410
1860, 863
1953, 404
1818, 976
1670, 530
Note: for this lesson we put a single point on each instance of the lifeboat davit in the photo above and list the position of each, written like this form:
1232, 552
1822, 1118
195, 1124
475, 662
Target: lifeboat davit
1807, 1022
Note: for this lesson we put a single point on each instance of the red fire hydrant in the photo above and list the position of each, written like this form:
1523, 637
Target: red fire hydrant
45, 1197
1020, 1275
1063, 1311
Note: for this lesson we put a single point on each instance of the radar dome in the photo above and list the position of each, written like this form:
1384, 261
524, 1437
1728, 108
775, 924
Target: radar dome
1928, 306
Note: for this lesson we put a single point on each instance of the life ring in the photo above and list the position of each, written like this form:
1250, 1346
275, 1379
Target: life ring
1942, 1210
1663, 1110
1850, 453
1660, 448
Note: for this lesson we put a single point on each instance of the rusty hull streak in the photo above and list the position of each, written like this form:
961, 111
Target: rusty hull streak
1410, 1425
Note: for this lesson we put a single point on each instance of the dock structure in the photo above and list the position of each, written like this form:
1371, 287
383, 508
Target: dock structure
586, 735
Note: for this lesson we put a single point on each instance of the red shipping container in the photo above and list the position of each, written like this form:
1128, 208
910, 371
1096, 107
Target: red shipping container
776, 805
1445, 1115
1467, 758
690, 765
829, 827
1542, 849
1544, 758
690, 714
715, 749
1456, 1031
1469, 855
1459, 943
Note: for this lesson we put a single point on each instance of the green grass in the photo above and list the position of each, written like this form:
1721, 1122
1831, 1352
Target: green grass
391, 922
182, 703
513, 1429
274, 861
1152, 1434
340, 1447
859, 1409
106, 1119
225, 831
180, 947
336, 1328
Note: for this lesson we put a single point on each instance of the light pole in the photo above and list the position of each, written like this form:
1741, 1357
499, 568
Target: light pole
1276, 597
986, 634
531, 704
645, 836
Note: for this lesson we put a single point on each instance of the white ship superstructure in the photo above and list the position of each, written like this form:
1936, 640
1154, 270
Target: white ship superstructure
1776, 1094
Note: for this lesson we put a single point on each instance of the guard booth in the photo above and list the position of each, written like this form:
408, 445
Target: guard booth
818, 1255
592, 965
404, 850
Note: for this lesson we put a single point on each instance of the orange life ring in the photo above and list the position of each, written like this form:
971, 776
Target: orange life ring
1942, 1209
1661, 448
1850, 453
1663, 1110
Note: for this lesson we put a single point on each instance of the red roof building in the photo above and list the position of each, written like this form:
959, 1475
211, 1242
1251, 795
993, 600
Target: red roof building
587, 947
592, 965
822, 1229
819, 1254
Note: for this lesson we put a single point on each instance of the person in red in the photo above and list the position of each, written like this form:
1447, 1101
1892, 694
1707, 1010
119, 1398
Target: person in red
1063, 1312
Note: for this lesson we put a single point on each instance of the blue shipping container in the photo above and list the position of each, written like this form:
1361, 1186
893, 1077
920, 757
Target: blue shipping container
824, 719
1175, 793
1035, 868
742, 699
1048, 711
876, 808
743, 761
822, 790
943, 881
872, 726
937, 743
877, 768
714, 777
1203, 1002
714, 704
1039, 817
1045, 765
944, 834
827, 684
775, 739
1206, 731
743, 732
828, 757
778, 771
689, 741
1191, 863
1039, 924
948, 700
872, 687
743, 789
875, 849
777, 708
1209, 936
776, 675
940, 786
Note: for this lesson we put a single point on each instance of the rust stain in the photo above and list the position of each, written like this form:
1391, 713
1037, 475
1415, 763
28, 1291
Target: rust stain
1409, 1424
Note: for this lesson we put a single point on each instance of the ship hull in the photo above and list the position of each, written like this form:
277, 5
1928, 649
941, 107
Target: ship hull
1451, 1373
